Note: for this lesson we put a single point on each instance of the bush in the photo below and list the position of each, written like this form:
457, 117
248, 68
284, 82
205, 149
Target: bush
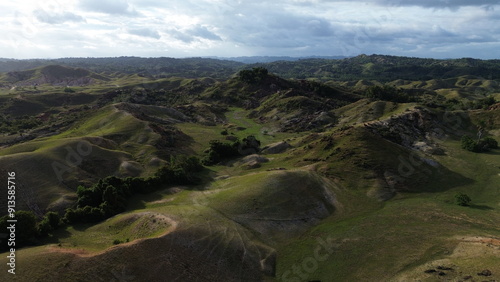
462, 199
54, 219
50, 222
488, 143
26, 227
388, 93
71, 216
219, 151
254, 75
44, 228
483, 145
469, 144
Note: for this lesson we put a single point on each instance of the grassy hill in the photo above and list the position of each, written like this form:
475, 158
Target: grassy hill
344, 188
52, 75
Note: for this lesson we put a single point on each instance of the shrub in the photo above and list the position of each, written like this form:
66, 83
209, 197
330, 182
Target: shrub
388, 93
26, 227
469, 144
50, 222
44, 228
54, 219
462, 199
254, 75
482, 145
488, 143
219, 151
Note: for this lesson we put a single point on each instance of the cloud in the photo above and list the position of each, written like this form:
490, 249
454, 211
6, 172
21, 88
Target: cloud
145, 32
203, 32
194, 33
112, 7
258, 27
453, 4
45, 17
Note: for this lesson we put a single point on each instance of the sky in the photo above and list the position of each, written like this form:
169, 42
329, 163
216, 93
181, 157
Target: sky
231, 28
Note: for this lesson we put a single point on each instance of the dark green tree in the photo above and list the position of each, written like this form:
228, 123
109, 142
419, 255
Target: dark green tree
26, 227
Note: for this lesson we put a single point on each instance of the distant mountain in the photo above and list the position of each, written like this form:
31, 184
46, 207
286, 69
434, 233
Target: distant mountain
367, 67
270, 59
52, 74
152, 67
382, 68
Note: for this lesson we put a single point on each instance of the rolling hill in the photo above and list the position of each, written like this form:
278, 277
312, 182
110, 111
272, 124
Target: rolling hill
341, 186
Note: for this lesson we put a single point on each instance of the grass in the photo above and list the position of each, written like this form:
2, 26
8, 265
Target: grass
372, 240
265, 133
414, 228
127, 226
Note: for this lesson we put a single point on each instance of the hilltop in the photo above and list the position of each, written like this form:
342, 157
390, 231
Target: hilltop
55, 75
382, 68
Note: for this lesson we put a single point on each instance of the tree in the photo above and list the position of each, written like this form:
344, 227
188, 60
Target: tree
71, 216
488, 143
388, 93
254, 75
462, 199
469, 144
54, 219
43, 228
26, 227
49, 223
482, 145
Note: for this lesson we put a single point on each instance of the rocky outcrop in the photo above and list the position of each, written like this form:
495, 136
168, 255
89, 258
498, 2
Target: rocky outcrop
276, 148
412, 129
253, 161
303, 121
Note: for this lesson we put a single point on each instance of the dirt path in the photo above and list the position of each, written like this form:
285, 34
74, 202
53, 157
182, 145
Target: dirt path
85, 253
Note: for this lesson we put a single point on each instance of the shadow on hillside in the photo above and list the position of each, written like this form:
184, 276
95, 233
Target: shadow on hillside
59, 234
437, 180
481, 207
493, 153
82, 226
139, 201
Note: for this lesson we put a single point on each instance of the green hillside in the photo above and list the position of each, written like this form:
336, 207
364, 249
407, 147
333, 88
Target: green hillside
347, 180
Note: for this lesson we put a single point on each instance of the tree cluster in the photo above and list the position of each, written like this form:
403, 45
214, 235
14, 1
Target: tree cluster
220, 151
388, 93
478, 146
29, 228
109, 196
254, 75
14, 125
